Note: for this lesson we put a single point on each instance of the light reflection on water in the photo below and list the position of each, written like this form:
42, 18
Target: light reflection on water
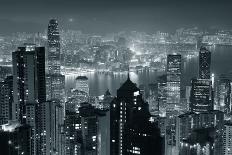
99, 83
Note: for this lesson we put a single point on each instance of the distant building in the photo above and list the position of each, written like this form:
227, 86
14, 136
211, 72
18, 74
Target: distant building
204, 63
224, 96
162, 95
55, 81
173, 81
53, 47
75, 98
82, 84
201, 95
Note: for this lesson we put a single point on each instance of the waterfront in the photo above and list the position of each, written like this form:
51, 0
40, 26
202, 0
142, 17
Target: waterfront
99, 83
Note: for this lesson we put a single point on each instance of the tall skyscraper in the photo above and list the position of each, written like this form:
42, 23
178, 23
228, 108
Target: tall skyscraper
53, 47
204, 63
28, 79
55, 81
128, 112
29, 89
173, 81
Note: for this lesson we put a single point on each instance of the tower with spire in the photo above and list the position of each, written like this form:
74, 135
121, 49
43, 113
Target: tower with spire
129, 112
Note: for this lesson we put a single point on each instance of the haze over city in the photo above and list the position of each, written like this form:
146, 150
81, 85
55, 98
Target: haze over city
107, 16
123, 77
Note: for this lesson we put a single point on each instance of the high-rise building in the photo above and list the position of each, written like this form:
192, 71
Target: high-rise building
89, 128
173, 81
72, 133
201, 95
128, 112
204, 63
29, 89
53, 47
162, 95
28, 79
82, 84
52, 136
224, 96
227, 139
55, 81
6, 100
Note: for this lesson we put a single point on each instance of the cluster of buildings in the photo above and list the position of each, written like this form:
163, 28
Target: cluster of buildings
39, 117
198, 120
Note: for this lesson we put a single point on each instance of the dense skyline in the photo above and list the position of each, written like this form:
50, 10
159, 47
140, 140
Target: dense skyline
107, 16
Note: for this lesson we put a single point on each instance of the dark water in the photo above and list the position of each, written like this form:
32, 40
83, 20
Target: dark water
221, 63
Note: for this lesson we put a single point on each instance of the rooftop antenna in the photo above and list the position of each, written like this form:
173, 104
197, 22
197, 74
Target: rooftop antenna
128, 73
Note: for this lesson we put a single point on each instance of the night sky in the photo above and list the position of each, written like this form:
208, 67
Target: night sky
104, 16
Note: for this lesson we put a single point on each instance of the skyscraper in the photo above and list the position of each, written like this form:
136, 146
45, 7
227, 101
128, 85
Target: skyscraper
28, 79
72, 133
53, 47
204, 63
29, 89
128, 112
55, 81
173, 80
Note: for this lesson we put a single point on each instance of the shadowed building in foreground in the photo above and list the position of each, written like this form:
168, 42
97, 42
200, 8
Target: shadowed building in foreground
131, 132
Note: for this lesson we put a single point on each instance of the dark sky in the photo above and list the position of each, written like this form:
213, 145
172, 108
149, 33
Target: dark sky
103, 16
